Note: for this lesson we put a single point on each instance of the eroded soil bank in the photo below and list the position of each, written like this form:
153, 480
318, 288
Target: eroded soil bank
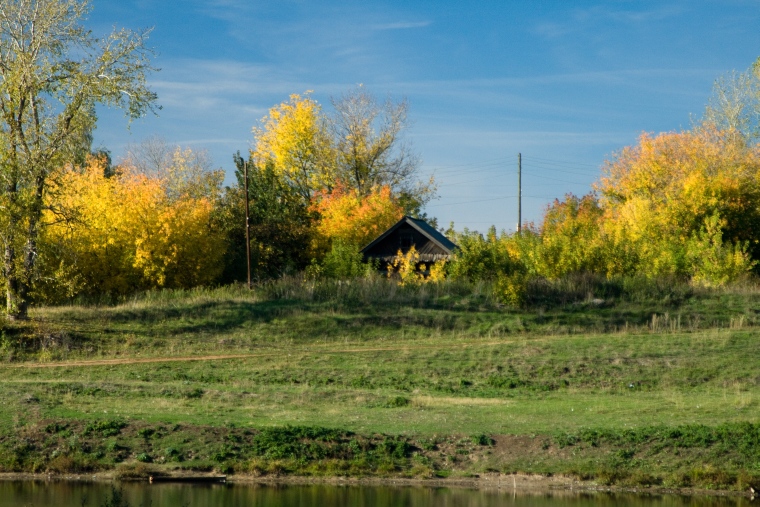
688, 458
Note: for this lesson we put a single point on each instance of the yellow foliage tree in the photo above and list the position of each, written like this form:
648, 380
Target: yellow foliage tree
568, 241
684, 204
126, 233
660, 194
360, 144
293, 137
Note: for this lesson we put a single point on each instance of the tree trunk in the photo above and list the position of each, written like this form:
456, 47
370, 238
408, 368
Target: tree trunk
15, 294
18, 277
15, 290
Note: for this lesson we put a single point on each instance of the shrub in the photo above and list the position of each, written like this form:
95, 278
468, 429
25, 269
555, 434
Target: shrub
714, 262
480, 258
397, 401
511, 290
342, 261
407, 267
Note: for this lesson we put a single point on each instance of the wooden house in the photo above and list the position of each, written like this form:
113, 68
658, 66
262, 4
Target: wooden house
431, 245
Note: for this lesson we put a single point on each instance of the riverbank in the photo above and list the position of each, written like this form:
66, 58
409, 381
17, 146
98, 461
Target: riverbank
423, 383
722, 457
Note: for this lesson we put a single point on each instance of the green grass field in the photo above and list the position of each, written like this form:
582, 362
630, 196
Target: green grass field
647, 386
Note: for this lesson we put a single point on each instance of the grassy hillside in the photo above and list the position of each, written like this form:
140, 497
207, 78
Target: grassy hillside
623, 382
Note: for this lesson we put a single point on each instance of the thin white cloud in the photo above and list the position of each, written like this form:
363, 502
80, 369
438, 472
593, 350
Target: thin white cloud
402, 25
553, 30
635, 17
195, 84
682, 84
579, 20
472, 137
230, 140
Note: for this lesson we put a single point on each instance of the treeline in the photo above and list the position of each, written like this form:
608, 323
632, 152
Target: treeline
320, 187
682, 206
322, 184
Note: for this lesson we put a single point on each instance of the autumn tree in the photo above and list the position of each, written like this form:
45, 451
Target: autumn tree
351, 169
347, 216
184, 172
679, 196
53, 73
684, 204
734, 105
152, 156
360, 144
347, 221
369, 147
126, 233
674, 181
294, 140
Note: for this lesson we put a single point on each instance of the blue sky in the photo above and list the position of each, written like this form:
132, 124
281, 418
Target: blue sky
565, 83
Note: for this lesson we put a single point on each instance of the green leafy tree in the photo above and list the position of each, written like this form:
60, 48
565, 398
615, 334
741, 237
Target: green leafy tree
280, 221
482, 258
53, 72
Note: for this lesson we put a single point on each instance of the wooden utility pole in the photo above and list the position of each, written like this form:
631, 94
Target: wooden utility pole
247, 225
519, 193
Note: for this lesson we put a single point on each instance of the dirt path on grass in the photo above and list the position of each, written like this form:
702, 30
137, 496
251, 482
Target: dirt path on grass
223, 357
133, 360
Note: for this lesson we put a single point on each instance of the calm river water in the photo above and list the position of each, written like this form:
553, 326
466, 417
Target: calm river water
67, 494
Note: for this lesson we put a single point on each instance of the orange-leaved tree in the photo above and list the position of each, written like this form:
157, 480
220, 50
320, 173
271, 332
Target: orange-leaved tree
348, 221
347, 216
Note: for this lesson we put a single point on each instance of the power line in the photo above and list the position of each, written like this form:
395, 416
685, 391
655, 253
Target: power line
471, 202
542, 176
476, 169
478, 180
587, 175
563, 162
460, 183
543, 169
490, 200
565, 171
562, 183
459, 167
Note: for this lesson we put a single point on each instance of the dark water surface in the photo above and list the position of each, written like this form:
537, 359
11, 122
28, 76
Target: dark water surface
78, 494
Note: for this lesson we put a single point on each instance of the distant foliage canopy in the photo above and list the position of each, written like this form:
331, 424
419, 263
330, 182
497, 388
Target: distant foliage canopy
680, 205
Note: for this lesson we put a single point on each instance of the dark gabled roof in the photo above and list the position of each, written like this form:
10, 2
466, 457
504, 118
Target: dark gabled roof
423, 227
